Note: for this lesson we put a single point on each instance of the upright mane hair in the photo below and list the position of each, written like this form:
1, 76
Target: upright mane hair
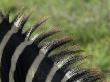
24, 58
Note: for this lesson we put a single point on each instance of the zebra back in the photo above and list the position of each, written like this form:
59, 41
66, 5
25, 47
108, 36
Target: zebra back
26, 59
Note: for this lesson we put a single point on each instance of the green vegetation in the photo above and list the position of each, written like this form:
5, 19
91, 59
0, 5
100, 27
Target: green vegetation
89, 20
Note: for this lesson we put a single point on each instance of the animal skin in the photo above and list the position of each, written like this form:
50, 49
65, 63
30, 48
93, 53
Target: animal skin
24, 58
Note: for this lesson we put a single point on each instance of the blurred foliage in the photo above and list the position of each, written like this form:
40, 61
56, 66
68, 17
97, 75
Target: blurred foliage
89, 20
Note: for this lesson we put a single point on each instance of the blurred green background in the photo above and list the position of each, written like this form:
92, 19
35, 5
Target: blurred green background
88, 20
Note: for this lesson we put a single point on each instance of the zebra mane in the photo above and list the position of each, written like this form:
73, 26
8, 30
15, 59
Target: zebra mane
23, 60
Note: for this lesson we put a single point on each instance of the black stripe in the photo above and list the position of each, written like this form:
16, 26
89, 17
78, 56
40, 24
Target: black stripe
9, 49
24, 62
43, 70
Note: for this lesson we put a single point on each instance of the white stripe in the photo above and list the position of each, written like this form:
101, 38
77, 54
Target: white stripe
52, 73
14, 59
35, 64
4, 42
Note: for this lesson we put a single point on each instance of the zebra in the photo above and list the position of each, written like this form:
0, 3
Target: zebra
24, 58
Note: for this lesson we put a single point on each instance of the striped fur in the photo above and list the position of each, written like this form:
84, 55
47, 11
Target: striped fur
22, 59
